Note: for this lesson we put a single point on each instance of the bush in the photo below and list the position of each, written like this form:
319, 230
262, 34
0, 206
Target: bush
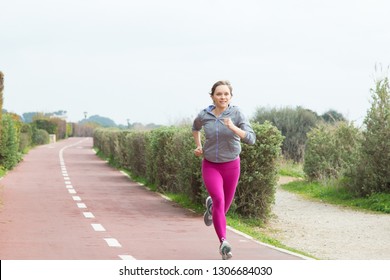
372, 171
135, 151
159, 164
256, 189
331, 150
47, 125
25, 137
9, 143
40, 137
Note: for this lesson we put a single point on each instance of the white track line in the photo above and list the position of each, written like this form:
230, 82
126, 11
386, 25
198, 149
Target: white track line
112, 242
98, 227
127, 257
81, 205
88, 215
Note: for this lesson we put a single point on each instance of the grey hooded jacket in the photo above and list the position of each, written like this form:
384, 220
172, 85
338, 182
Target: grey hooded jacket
222, 144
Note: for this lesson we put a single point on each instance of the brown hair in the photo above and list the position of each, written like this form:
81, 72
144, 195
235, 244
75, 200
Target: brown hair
220, 83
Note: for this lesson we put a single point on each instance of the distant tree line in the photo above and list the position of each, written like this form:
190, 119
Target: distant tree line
294, 124
20, 133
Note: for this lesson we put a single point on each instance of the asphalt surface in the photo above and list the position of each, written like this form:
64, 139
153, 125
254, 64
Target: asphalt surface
64, 203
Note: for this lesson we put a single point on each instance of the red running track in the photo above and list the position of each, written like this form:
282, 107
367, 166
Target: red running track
64, 203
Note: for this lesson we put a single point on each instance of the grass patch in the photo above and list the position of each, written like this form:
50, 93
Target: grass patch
334, 194
2, 172
291, 169
185, 202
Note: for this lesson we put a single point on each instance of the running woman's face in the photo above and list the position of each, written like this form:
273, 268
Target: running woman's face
222, 96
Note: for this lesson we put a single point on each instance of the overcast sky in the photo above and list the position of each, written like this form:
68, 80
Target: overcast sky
155, 61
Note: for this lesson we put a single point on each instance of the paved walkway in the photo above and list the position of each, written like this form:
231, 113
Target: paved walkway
63, 202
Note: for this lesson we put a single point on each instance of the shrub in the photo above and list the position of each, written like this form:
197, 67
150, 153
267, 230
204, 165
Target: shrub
135, 150
161, 166
47, 125
9, 143
26, 133
372, 171
40, 137
256, 188
331, 150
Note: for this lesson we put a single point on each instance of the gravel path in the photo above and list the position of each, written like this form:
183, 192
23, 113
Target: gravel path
329, 232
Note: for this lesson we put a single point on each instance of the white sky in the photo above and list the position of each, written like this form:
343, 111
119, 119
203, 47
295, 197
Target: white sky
155, 61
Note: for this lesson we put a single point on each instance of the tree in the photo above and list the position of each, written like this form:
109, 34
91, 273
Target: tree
103, 121
332, 116
372, 171
293, 123
31, 116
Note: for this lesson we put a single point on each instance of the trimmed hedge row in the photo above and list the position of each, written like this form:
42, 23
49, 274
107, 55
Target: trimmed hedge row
164, 157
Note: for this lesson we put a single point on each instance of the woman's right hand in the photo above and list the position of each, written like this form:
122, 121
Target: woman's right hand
198, 151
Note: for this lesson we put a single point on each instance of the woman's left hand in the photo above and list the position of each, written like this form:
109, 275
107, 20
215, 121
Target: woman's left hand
228, 122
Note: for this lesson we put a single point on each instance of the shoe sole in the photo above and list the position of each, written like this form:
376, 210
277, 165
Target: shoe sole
227, 256
207, 218
226, 252
207, 221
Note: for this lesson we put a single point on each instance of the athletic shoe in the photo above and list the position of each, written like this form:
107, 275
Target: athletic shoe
208, 217
225, 250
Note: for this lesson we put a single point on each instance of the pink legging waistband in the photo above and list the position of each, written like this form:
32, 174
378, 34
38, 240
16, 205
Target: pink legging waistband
221, 180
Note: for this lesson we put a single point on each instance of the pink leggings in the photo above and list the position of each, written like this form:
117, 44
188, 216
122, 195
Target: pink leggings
221, 180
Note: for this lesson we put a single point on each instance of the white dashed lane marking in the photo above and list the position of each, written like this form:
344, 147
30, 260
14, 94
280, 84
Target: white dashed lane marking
88, 215
98, 227
81, 205
127, 257
112, 242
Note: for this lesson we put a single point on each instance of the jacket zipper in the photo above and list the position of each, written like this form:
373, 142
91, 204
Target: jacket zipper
217, 147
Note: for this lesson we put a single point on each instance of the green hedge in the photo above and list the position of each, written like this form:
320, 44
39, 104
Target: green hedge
164, 157
9, 143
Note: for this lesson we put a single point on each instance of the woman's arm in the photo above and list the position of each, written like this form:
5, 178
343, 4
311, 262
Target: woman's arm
197, 137
241, 133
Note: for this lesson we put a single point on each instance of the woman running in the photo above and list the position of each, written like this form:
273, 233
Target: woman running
224, 127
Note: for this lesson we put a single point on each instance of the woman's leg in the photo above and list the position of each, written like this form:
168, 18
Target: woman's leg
221, 181
231, 174
214, 185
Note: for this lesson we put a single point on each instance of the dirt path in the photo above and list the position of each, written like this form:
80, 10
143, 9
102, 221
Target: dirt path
329, 232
